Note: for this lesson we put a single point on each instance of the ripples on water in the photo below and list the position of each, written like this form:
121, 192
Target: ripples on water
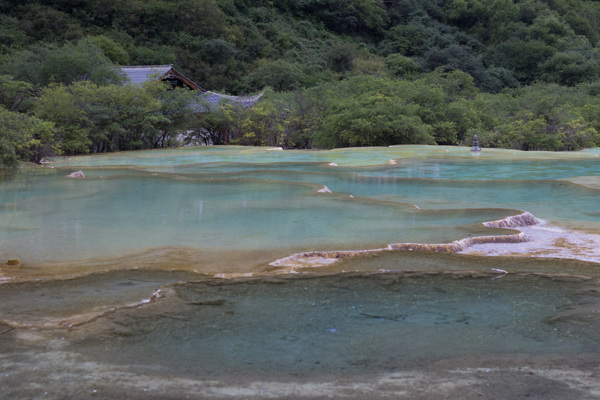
117, 277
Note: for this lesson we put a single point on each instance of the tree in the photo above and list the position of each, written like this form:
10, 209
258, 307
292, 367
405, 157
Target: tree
485, 17
370, 111
570, 68
25, 138
11, 35
14, 95
46, 64
400, 66
280, 75
104, 118
111, 49
524, 58
347, 16
60, 105
176, 111
461, 58
340, 57
46, 23
550, 29
211, 127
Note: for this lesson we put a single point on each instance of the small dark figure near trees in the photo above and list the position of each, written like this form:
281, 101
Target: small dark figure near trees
475, 144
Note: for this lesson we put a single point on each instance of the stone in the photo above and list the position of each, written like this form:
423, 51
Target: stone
13, 262
76, 174
475, 144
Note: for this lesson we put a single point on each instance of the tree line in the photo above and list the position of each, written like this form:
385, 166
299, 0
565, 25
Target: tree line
521, 74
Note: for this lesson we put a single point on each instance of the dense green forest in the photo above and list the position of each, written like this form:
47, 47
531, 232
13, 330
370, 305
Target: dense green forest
521, 74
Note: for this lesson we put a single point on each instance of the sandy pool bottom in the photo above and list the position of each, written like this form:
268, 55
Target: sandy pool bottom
350, 335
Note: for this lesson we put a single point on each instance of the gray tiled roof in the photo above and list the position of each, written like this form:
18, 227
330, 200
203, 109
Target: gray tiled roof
211, 101
207, 101
144, 73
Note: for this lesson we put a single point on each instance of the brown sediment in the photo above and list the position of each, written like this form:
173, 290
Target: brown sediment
13, 262
459, 245
170, 293
591, 182
319, 258
322, 258
162, 258
67, 322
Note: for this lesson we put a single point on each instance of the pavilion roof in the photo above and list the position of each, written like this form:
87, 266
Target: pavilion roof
207, 101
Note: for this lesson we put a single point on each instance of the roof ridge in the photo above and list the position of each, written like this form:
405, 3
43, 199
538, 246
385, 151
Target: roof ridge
147, 66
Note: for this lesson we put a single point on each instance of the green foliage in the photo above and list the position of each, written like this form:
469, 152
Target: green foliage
174, 117
114, 117
153, 19
259, 127
441, 107
59, 105
544, 117
550, 29
340, 57
11, 35
524, 58
232, 45
157, 55
371, 111
279, 75
460, 58
24, 137
111, 49
212, 128
45, 64
14, 95
401, 67
46, 23
345, 16
570, 68
519, 73
485, 17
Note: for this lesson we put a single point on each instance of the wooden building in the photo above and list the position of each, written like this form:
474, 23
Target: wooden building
208, 101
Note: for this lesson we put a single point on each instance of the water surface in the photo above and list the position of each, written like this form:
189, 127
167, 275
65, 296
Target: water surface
163, 274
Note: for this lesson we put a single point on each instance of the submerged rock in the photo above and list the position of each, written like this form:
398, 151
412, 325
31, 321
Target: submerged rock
13, 262
76, 174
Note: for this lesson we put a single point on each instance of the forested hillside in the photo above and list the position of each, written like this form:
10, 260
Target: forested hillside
522, 74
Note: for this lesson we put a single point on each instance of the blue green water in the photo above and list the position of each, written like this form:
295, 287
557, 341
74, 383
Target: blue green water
235, 199
119, 277
47, 217
368, 156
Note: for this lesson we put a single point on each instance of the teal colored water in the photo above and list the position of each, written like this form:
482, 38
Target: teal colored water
548, 199
117, 281
49, 302
367, 156
448, 169
49, 218
236, 199
362, 335
350, 323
